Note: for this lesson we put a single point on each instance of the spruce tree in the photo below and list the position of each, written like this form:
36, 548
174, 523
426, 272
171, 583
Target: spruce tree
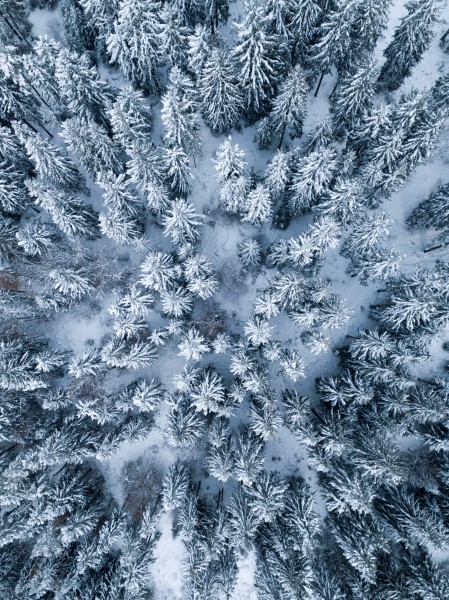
352, 98
257, 56
289, 106
411, 39
219, 91
134, 43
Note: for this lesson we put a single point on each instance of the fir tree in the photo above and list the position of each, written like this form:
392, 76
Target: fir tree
178, 112
69, 214
174, 486
181, 222
86, 96
193, 345
352, 98
256, 54
185, 425
243, 521
250, 253
100, 15
199, 48
229, 161
95, 149
131, 117
289, 107
52, 165
258, 205
277, 173
248, 453
120, 226
411, 39
159, 271
174, 37
209, 392
220, 94
333, 45
176, 166
310, 178
302, 26
134, 43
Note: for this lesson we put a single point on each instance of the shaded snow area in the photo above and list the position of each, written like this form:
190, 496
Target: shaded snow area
224, 292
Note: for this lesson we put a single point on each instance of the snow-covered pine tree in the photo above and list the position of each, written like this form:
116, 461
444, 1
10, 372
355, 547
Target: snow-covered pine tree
248, 456
175, 486
367, 232
289, 106
243, 521
134, 43
100, 16
185, 426
179, 112
229, 161
378, 264
199, 48
128, 354
177, 169
352, 97
411, 39
91, 143
310, 178
36, 239
68, 213
199, 275
219, 91
173, 36
333, 45
193, 345
52, 165
209, 392
267, 495
117, 195
86, 95
277, 173
131, 117
433, 211
70, 282
342, 202
258, 55
258, 206
302, 26
220, 461
250, 253
181, 222
258, 331
13, 194
370, 20
40, 70
159, 271
120, 226
264, 417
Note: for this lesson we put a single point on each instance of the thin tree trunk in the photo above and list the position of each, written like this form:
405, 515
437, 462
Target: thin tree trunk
36, 92
30, 126
318, 416
334, 89
443, 37
319, 85
8, 449
158, 499
282, 136
433, 248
